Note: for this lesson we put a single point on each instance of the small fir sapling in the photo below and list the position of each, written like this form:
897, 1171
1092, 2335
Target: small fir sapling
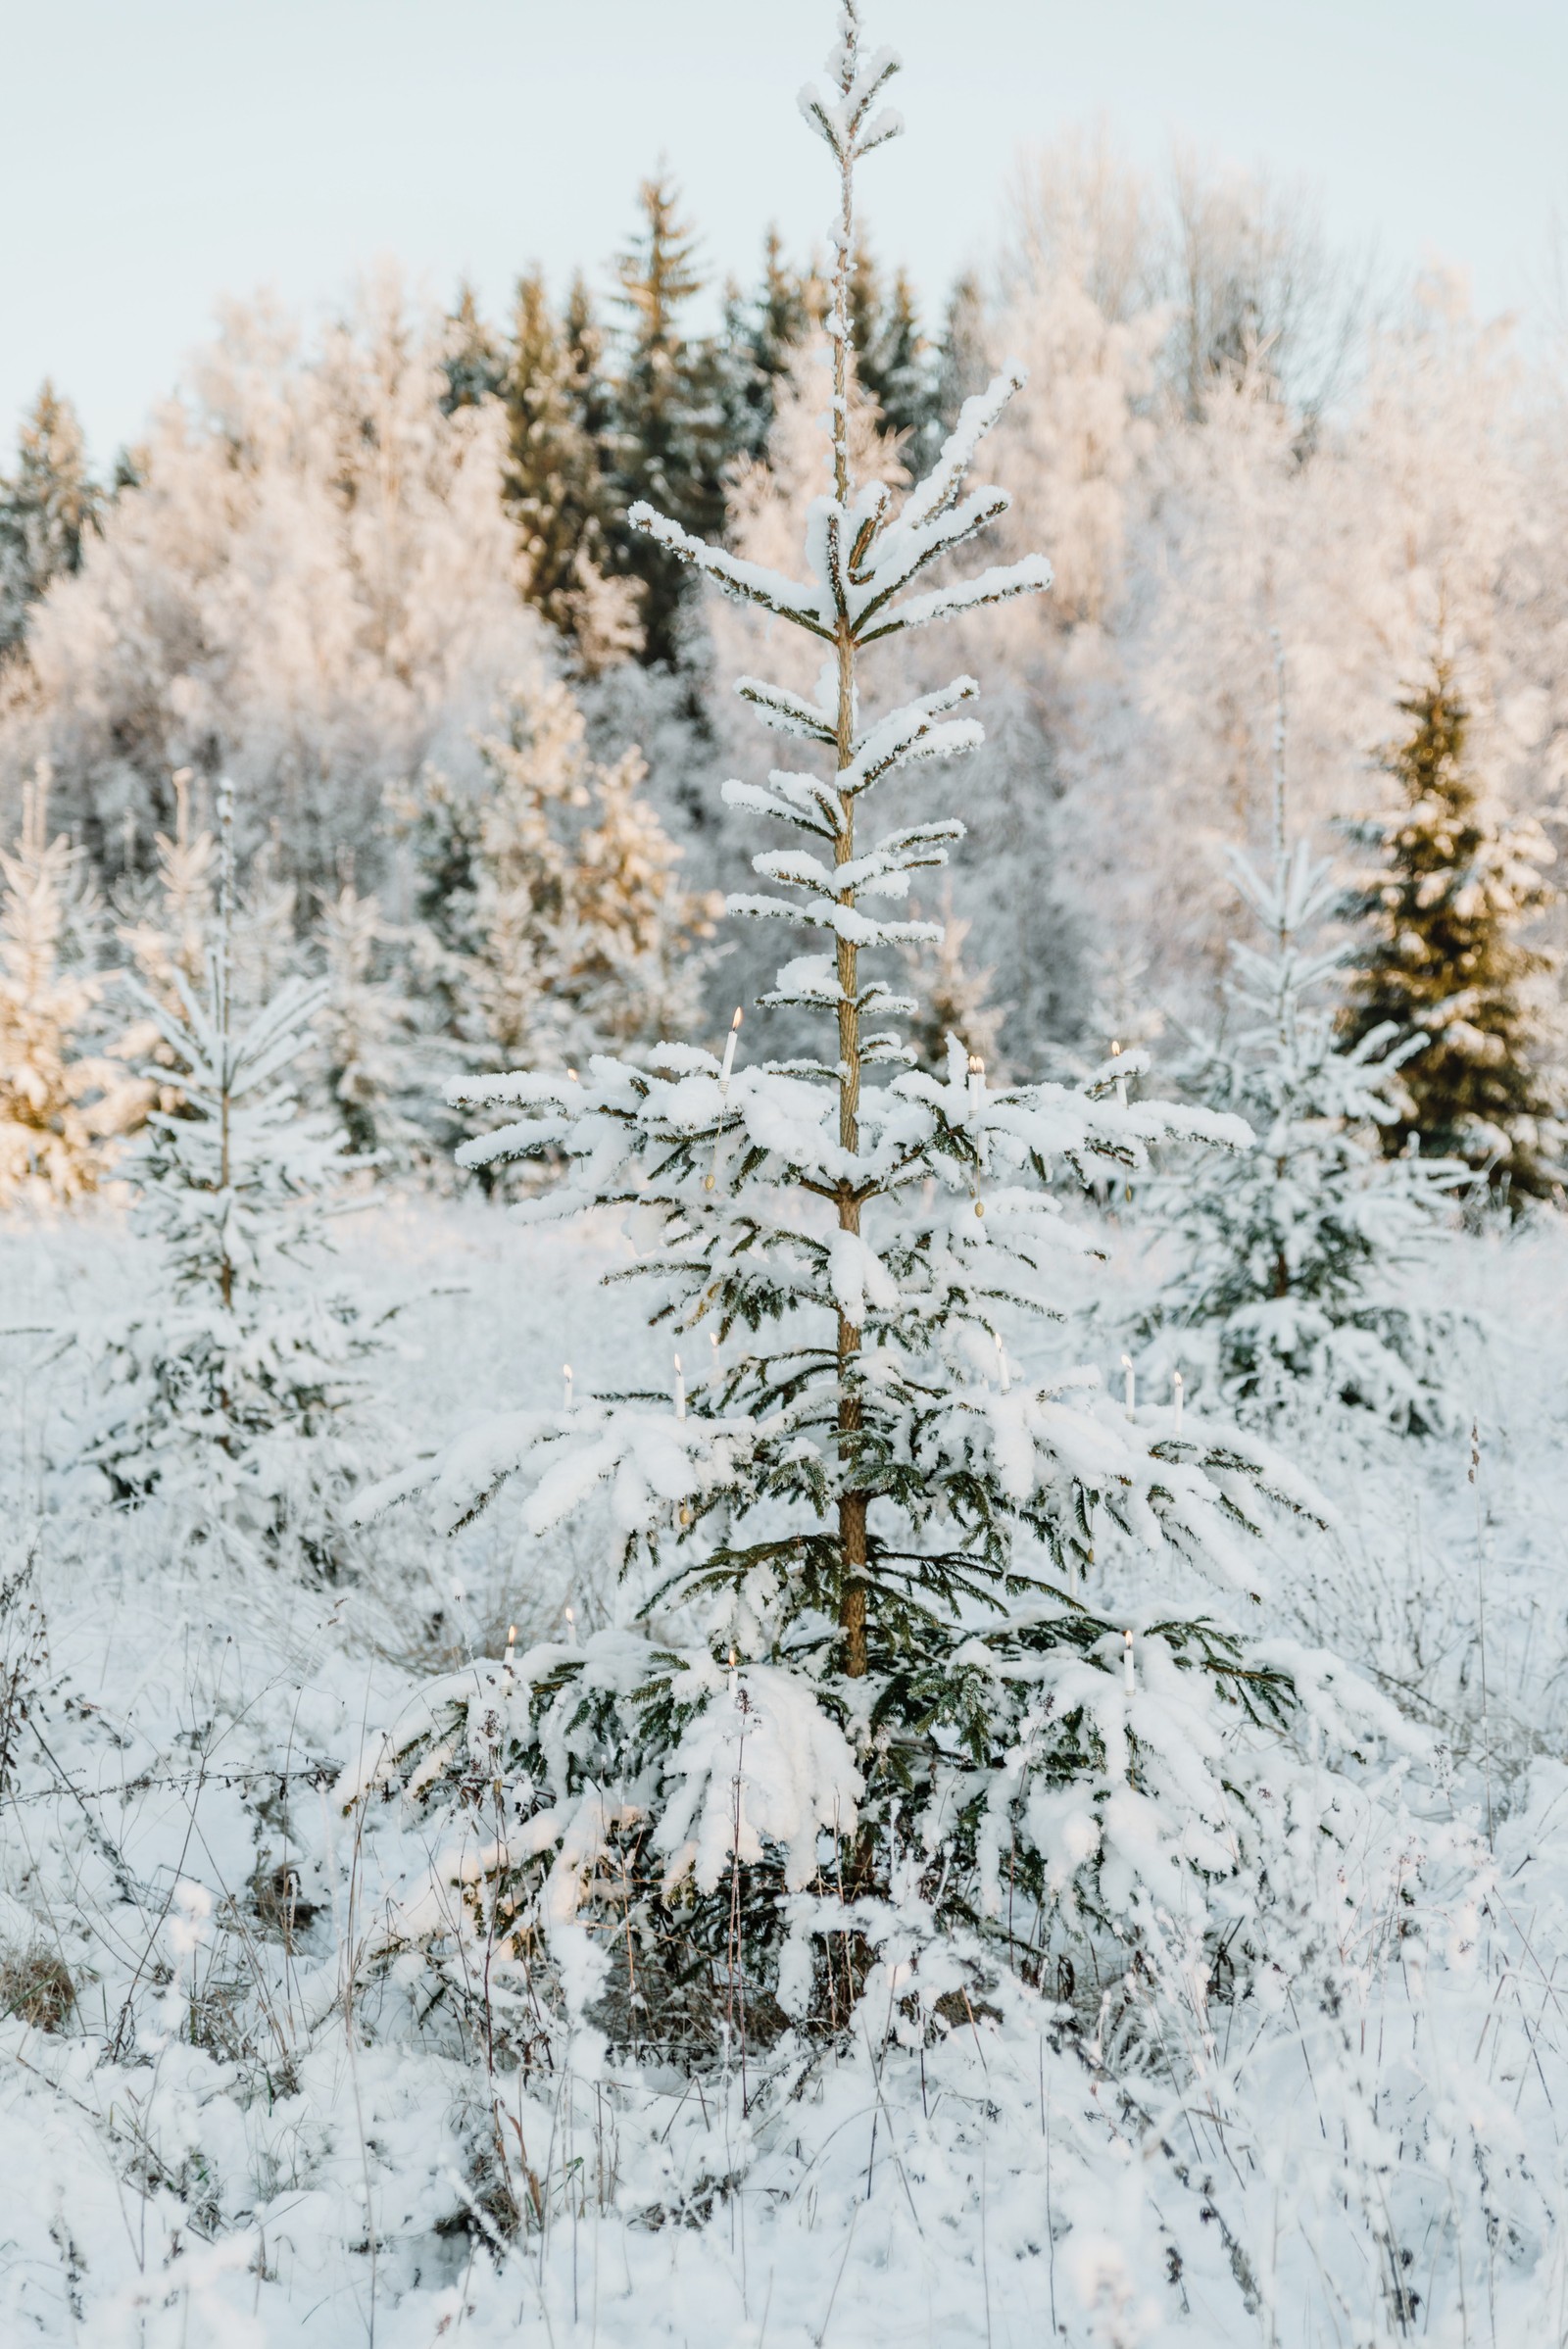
64, 1104
166, 928
364, 1063
1284, 1298
229, 1390
1442, 955
863, 1546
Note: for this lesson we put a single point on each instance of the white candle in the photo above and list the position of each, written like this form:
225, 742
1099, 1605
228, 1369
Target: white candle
729, 1049
977, 1088
1121, 1081
680, 1390
1176, 1389
565, 1381
1002, 1365
1127, 1365
1127, 1662
511, 1648
571, 1628
724, 1075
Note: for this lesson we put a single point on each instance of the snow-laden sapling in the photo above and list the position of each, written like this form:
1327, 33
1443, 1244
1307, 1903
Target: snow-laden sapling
872, 1690
1286, 1293
63, 1102
227, 1390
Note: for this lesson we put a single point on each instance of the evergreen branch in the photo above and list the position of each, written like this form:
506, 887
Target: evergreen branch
746, 583
1030, 577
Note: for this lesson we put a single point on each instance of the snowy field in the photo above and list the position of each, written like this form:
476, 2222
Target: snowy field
226, 2121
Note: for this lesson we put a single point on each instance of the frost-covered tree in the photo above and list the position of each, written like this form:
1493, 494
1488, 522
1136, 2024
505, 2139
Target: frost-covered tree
314, 589
168, 929
908, 1630
1443, 957
47, 509
556, 923
227, 1390
1286, 1296
63, 1100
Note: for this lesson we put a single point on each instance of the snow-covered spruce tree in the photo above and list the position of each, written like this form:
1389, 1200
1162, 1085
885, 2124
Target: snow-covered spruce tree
1285, 1298
62, 1102
1285, 1294
1445, 958
227, 1390
919, 1651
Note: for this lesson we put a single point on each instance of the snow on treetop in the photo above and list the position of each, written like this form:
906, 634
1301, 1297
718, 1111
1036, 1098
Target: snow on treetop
860, 562
843, 124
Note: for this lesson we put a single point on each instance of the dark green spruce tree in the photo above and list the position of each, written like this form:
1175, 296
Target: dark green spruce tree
555, 482
473, 360
1442, 913
669, 418
762, 332
892, 360
48, 509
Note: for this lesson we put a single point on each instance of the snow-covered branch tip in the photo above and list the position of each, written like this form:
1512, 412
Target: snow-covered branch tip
843, 123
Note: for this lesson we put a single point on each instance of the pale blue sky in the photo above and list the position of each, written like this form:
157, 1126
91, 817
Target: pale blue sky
160, 153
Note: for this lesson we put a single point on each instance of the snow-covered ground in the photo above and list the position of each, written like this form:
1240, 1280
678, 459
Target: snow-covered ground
223, 2121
